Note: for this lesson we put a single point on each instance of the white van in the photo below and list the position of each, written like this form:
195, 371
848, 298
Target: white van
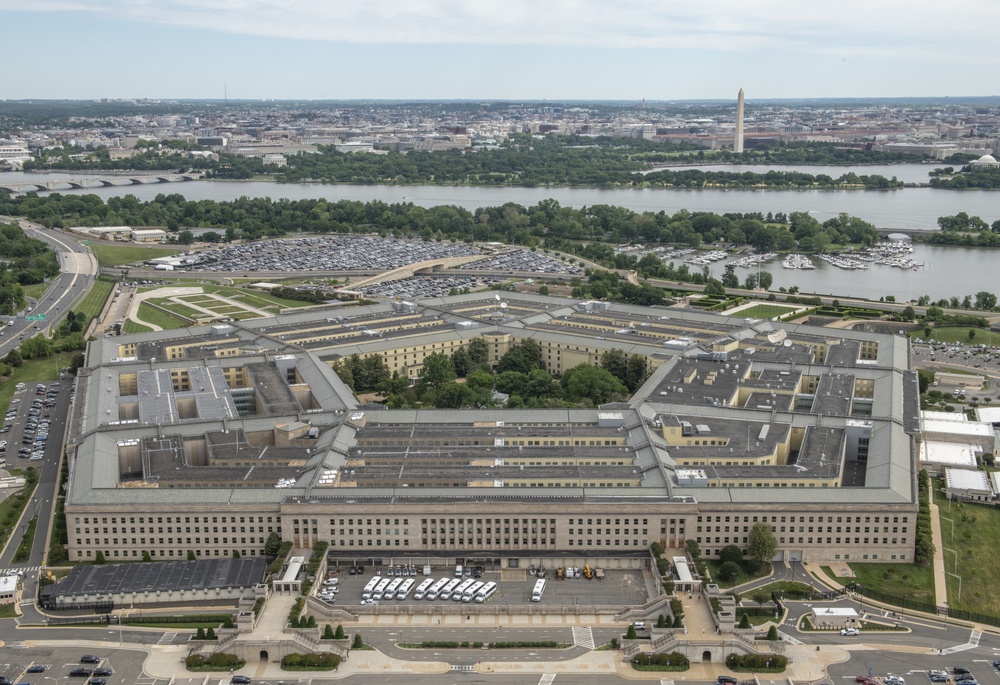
458, 571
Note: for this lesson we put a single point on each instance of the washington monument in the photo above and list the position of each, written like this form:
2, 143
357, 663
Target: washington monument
738, 143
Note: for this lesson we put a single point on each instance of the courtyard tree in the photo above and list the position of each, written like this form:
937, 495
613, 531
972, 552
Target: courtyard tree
762, 545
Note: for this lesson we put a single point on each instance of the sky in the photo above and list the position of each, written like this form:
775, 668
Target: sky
498, 49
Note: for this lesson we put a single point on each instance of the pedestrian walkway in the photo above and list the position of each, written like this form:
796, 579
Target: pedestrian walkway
697, 615
583, 636
940, 578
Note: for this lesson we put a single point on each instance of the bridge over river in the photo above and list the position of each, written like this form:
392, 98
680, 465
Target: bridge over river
104, 181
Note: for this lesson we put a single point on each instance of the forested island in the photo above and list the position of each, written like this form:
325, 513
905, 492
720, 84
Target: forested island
970, 177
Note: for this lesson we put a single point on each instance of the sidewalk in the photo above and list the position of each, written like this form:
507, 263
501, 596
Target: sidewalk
940, 579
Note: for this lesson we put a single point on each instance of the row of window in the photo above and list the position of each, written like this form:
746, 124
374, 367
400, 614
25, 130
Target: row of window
798, 519
177, 519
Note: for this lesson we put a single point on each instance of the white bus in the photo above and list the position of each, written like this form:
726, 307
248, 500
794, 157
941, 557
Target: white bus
422, 588
436, 588
390, 591
370, 588
459, 592
380, 588
485, 592
405, 588
448, 589
470, 593
536, 594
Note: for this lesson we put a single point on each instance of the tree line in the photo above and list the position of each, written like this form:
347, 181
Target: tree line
23, 261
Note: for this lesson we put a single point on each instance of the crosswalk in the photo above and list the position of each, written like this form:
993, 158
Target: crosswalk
666, 681
15, 644
463, 667
971, 644
19, 569
583, 637
166, 638
547, 679
788, 638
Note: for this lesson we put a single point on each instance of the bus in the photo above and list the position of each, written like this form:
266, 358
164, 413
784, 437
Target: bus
459, 592
422, 588
485, 592
448, 589
436, 589
370, 588
405, 588
379, 590
470, 593
390, 591
536, 594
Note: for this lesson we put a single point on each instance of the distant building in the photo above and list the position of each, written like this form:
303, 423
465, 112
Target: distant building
738, 144
986, 162
149, 235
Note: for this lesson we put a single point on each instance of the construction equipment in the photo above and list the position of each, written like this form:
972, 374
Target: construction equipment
587, 572
560, 573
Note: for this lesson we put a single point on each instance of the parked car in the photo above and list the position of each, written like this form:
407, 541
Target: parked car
850, 631
90, 659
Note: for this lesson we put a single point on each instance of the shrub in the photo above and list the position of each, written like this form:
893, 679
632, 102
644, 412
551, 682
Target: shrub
215, 662
772, 634
358, 642
674, 661
745, 622
328, 632
768, 663
310, 662
630, 633
339, 634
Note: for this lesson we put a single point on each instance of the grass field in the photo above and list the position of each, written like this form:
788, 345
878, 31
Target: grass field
900, 580
744, 577
131, 326
35, 291
973, 532
159, 318
116, 255
92, 304
255, 298
32, 371
177, 307
954, 334
764, 311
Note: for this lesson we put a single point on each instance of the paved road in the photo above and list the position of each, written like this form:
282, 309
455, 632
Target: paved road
79, 270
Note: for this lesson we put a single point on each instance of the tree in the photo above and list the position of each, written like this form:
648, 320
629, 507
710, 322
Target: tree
729, 277
715, 287
185, 238
272, 545
927, 332
986, 301
199, 634
731, 553
772, 634
210, 635
972, 334
190, 555
461, 362
437, 370
358, 642
236, 554
593, 383
146, 556
99, 558
630, 633
328, 632
479, 352
661, 621
761, 545
729, 570
745, 622
909, 314
765, 280
339, 633
543, 290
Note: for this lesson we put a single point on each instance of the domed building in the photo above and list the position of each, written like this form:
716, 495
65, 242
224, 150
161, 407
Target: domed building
986, 161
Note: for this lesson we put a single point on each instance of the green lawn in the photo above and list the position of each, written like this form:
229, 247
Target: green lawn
131, 326
35, 291
900, 580
115, 255
178, 308
159, 318
7, 610
744, 577
33, 371
764, 311
255, 298
93, 303
953, 334
973, 532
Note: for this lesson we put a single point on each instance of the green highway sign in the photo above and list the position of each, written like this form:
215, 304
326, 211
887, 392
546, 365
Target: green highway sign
35, 317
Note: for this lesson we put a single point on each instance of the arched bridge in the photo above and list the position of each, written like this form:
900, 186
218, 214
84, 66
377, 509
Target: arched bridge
96, 182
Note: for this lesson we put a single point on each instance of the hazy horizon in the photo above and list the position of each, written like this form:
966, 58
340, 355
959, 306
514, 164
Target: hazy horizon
432, 50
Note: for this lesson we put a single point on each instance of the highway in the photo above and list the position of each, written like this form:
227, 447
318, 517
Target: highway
78, 270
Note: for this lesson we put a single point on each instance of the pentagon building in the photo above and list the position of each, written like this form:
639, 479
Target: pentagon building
207, 439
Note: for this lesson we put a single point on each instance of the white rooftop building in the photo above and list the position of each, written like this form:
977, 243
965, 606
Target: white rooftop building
967, 485
936, 456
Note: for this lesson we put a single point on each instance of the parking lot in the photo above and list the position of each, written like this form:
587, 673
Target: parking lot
39, 666
27, 424
514, 587
524, 260
326, 253
429, 286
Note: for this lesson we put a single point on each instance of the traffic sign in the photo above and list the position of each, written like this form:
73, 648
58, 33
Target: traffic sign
35, 317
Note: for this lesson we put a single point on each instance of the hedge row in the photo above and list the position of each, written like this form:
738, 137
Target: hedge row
767, 663
310, 662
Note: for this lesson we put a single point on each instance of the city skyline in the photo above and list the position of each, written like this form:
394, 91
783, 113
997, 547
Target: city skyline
579, 50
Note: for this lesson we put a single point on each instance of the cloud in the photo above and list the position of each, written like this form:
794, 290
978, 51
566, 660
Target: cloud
849, 27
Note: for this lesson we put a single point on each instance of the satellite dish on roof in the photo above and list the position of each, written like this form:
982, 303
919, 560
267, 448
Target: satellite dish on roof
497, 296
788, 343
503, 305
